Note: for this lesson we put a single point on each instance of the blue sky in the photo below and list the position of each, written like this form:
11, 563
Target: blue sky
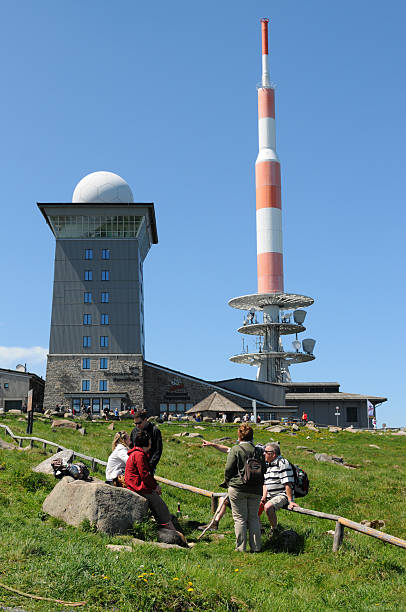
164, 94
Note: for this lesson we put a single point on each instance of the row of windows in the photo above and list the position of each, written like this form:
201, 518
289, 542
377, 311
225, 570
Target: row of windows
175, 407
104, 297
102, 385
87, 341
104, 363
105, 254
104, 319
105, 275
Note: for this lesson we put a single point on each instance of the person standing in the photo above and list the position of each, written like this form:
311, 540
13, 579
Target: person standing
244, 496
142, 424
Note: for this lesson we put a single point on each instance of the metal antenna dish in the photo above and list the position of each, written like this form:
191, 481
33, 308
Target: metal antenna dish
20, 367
299, 316
308, 345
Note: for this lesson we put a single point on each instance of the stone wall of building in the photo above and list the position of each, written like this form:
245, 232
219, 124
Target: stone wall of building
166, 387
65, 374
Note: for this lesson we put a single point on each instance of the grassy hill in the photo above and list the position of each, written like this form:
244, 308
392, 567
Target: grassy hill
43, 556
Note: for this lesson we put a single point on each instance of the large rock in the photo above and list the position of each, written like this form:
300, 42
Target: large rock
334, 429
311, 427
14, 411
398, 433
66, 424
277, 429
109, 509
7, 445
295, 427
45, 467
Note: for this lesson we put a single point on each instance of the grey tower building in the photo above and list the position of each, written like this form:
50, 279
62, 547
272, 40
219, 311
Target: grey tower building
96, 346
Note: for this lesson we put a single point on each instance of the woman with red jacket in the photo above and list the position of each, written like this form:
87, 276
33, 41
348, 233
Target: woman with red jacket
138, 478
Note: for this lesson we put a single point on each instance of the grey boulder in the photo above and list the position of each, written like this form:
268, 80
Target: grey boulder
110, 509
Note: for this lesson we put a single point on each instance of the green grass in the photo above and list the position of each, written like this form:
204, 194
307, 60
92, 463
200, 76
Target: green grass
43, 556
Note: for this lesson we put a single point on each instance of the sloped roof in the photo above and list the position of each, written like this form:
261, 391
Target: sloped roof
334, 396
215, 402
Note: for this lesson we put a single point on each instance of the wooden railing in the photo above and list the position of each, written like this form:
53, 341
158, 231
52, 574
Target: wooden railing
340, 521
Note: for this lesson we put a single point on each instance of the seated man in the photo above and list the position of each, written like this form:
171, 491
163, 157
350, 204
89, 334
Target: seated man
278, 491
138, 478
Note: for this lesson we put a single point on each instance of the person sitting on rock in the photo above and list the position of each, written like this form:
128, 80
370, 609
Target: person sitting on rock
138, 478
279, 482
117, 460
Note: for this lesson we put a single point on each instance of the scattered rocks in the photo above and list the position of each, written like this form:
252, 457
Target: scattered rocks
295, 427
195, 435
13, 411
160, 544
276, 429
398, 433
119, 548
7, 445
82, 431
65, 424
110, 509
374, 446
334, 429
375, 524
336, 460
352, 430
111, 426
198, 427
311, 427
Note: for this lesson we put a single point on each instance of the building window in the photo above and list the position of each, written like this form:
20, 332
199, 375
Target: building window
85, 385
104, 319
87, 319
104, 363
102, 385
352, 414
89, 254
87, 341
104, 341
85, 363
105, 297
105, 275
87, 297
105, 253
6, 385
88, 275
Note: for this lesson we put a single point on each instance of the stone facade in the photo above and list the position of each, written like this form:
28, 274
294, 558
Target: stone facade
164, 386
65, 374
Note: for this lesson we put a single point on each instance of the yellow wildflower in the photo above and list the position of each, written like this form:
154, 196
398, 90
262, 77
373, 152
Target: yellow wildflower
175, 578
190, 589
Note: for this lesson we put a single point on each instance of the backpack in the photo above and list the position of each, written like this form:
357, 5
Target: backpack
301, 487
78, 471
253, 473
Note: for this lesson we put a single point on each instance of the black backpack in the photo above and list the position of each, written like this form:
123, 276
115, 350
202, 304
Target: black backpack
78, 471
301, 481
253, 473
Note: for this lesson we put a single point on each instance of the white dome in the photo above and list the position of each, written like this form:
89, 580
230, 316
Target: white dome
102, 187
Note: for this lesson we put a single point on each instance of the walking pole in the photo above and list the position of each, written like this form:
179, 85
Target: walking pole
216, 514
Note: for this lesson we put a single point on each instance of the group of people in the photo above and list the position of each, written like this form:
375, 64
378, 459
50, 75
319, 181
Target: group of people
132, 464
249, 500
134, 458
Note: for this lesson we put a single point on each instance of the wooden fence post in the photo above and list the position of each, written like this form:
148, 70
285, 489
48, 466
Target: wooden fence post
44, 446
338, 536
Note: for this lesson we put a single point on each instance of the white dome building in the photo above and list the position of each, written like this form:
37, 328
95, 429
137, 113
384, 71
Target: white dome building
102, 187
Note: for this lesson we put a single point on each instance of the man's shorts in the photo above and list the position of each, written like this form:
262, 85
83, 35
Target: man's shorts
278, 501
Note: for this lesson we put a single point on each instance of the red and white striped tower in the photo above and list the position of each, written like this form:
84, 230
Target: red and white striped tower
268, 185
269, 356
